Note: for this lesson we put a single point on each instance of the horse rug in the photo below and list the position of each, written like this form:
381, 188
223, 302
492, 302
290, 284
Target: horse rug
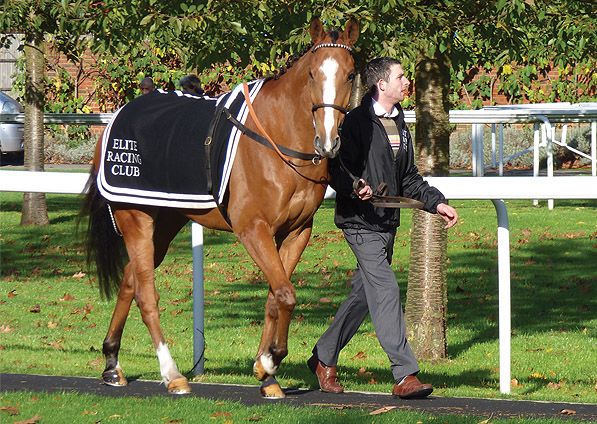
168, 148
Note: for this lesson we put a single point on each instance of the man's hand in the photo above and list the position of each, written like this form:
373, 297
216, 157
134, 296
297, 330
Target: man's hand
364, 191
448, 213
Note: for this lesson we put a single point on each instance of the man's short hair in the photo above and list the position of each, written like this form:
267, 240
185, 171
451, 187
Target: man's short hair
377, 69
191, 83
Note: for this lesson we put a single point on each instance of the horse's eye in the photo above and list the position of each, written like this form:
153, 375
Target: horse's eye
310, 74
351, 76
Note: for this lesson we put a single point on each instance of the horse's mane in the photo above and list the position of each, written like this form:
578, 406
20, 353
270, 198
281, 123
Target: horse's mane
278, 73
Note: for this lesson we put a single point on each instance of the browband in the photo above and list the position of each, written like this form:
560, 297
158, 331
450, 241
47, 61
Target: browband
331, 45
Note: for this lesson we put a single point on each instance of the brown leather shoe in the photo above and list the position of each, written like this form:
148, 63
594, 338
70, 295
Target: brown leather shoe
325, 375
411, 388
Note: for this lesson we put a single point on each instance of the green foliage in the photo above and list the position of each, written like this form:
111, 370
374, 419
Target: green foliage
61, 97
227, 42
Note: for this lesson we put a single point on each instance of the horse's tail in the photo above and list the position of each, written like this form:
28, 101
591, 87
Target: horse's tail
105, 247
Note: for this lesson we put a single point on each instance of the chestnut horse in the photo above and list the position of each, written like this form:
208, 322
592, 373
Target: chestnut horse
270, 207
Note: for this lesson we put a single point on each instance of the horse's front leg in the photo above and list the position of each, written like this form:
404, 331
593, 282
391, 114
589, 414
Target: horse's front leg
258, 240
280, 304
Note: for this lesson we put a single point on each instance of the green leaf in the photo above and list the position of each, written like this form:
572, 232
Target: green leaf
146, 19
238, 27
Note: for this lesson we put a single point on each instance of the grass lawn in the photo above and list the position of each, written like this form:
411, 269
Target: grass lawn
60, 408
53, 320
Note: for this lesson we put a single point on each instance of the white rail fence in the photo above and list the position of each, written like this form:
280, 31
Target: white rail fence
543, 116
494, 189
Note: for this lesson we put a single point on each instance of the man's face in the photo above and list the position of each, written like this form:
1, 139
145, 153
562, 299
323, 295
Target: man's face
146, 88
395, 89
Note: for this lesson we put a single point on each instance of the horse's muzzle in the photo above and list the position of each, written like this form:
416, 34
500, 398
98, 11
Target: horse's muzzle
329, 149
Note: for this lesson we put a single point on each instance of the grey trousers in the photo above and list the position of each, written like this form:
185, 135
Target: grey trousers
374, 289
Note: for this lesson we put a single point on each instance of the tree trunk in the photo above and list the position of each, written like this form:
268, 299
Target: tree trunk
426, 303
357, 92
34, 204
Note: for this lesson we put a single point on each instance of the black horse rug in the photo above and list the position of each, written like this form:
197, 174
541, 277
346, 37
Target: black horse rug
172, 149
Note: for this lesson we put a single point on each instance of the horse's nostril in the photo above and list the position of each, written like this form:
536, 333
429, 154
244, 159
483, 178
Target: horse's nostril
336, 144
317, 142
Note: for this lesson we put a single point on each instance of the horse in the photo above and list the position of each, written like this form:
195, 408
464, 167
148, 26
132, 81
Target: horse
269, 206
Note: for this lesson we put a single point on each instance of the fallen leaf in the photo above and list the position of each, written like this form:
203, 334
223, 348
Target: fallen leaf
12, 293
66, 297
79, 274
10, 409
221, 414
30, 420
382, 410
5, 328
362, 372
360, 355
567, 412
325, 300
514, 383
35, 309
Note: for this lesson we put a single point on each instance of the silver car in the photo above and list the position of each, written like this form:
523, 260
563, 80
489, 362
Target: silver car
11, 135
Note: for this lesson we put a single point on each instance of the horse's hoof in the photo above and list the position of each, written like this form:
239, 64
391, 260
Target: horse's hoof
179, 386
115, 378
270, 389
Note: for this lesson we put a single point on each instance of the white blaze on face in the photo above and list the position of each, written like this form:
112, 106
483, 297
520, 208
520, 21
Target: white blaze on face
329, 68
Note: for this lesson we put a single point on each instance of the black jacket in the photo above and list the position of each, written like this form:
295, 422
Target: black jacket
366, 152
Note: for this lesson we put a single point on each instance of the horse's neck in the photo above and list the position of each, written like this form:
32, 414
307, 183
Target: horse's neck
290, 91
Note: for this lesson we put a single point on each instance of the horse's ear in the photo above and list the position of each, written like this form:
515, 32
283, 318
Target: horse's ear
316, 30
351, 32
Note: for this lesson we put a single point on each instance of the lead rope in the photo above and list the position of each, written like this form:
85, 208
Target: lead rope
113, 221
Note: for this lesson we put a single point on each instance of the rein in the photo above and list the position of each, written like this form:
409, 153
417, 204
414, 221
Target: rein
314, 158
380, 199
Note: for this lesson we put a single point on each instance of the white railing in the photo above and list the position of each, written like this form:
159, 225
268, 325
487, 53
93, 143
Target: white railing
494, 189
542, 115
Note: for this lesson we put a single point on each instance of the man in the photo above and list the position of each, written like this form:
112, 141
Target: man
147, 85
377, 147
191, 84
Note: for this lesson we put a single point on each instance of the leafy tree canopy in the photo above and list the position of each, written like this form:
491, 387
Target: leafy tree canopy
225, 41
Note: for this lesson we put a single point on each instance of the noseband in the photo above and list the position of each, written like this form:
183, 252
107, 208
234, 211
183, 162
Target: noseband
323, 105
333, 106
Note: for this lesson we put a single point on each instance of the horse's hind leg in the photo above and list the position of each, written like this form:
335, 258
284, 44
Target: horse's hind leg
167, 224
146, 251
113, 374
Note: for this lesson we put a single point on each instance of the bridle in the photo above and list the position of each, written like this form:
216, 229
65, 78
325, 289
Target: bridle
331, 105
344, 110
282, 151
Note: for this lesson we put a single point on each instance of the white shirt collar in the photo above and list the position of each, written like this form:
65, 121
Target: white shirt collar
381, 112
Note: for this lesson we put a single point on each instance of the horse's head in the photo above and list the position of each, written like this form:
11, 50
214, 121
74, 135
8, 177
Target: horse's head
331, 73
